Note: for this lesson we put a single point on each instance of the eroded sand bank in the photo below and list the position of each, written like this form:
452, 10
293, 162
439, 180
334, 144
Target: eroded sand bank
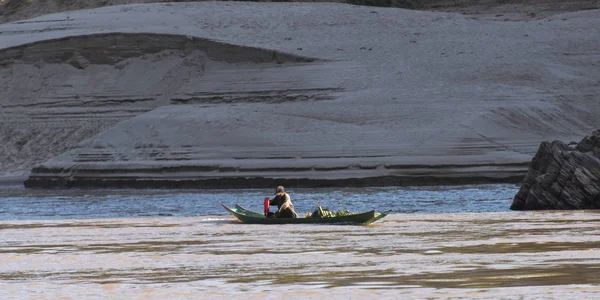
392, 97
489, 255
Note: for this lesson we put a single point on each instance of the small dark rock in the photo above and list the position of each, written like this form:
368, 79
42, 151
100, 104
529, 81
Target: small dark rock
79, 62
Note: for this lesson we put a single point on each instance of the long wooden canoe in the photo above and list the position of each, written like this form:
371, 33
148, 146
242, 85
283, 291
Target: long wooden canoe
252, 217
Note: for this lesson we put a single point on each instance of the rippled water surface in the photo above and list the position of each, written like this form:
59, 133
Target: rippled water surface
444, 242
17, 203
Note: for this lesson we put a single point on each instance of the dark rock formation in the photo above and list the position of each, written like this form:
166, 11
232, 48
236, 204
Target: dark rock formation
562, 177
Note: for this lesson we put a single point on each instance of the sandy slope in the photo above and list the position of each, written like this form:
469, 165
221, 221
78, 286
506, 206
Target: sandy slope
392, 93
13, 10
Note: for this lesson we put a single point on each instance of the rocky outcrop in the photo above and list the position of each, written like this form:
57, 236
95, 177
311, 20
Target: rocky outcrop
562, 176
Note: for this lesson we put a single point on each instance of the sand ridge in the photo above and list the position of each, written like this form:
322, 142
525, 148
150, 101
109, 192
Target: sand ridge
395, 93
13, 10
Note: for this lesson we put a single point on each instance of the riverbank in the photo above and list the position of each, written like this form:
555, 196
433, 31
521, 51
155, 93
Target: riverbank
198, 178
230, 94
10, 180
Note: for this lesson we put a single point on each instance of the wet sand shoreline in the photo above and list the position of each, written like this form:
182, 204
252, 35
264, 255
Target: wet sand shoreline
260, 182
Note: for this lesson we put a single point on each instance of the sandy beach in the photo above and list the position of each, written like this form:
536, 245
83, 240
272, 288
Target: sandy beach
221, 94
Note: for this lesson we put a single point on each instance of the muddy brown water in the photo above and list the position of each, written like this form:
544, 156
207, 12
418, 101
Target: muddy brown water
502, 254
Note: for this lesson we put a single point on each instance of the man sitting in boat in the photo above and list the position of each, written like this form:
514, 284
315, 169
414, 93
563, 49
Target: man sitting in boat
284, 205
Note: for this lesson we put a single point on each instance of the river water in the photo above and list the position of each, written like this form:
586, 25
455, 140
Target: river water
17, 203
440, 242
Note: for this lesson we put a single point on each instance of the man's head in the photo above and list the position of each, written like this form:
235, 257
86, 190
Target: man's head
279, 189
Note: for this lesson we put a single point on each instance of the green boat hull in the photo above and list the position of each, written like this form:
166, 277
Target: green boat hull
252, 217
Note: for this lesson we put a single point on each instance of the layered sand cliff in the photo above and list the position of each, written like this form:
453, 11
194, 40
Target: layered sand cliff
252, 94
